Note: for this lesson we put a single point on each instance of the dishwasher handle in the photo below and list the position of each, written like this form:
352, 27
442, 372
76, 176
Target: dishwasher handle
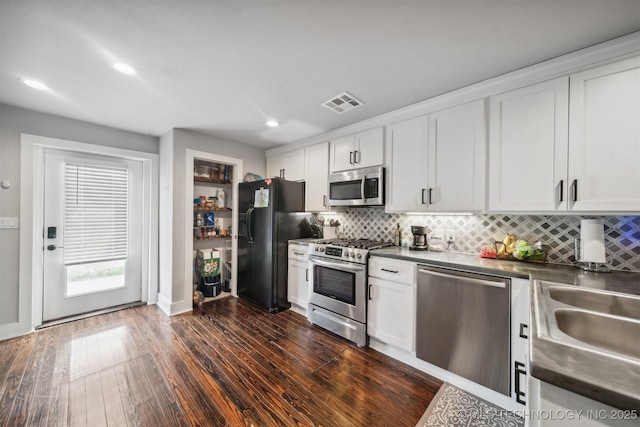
472, 280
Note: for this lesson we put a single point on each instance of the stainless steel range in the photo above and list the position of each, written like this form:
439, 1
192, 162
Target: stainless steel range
338, 300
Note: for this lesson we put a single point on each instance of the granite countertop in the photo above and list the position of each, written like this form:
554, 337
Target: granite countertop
607, 379
618, 281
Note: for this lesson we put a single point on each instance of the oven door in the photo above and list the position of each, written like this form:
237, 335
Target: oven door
339, 286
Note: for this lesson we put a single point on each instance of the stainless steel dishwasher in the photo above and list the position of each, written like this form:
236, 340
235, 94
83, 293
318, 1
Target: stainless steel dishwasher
462, 324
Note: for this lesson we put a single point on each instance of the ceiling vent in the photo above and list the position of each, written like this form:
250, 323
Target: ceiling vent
342, 103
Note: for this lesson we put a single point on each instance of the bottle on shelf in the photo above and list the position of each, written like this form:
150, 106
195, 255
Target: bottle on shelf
398, 236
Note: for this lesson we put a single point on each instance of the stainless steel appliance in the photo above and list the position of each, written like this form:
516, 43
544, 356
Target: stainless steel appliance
338, 283
462, 324
359, 187
271, 214
419, 242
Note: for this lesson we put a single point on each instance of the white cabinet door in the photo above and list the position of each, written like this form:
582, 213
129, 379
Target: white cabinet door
604, 138
407, 158
520, 311
456, 156
298, 285
364, 149
316, 177
369, 148
528, 148
342, 156
294, 166
289, 166
391, 313
275, 166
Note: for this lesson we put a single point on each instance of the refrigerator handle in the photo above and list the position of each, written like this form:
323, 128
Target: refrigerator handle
249, 235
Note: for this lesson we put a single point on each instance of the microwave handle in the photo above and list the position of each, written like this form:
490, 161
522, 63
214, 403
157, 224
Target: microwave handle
364, 178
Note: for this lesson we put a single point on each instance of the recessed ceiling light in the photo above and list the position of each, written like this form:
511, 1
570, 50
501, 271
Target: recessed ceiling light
273, 124
124, 68
35, 84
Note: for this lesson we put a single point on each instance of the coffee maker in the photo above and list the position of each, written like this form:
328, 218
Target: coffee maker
419, 242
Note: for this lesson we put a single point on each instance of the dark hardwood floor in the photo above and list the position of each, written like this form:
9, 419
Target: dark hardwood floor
228, 363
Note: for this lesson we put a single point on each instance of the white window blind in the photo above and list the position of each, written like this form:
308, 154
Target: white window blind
96, 213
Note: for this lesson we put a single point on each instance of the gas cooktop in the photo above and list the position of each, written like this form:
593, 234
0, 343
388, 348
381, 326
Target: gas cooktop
354, 243
355, 250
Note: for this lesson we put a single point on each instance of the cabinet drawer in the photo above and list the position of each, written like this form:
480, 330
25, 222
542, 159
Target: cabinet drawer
299, 252
392, 269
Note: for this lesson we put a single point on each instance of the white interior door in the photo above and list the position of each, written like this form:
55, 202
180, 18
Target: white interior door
92, 233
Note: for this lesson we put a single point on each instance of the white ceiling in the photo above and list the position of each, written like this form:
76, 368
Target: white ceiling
225, 67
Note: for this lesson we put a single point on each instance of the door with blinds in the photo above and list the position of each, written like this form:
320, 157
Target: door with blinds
92, 233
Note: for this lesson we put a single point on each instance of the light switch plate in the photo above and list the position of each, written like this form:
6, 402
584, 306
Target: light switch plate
9, 222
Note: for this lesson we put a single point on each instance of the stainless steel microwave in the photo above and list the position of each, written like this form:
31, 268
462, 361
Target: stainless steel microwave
358, 187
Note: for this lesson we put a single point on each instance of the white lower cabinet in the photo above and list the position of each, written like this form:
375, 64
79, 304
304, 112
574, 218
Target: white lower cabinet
298, 279
391, 303
520, 309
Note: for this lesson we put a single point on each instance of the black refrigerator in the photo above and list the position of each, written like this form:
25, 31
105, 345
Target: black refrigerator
271, 212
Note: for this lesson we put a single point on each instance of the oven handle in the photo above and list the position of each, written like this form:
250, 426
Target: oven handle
337, 264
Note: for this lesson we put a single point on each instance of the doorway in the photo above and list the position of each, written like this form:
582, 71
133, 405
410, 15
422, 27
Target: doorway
92, 217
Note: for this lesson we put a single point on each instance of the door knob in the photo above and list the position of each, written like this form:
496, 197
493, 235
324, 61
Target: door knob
51, 247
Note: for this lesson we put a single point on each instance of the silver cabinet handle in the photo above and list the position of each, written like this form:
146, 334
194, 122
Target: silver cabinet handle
351, 157
390, 271
306, 275
356, 158
574, 187
299, 253
423, 191
324, 201
430, 195
370, 292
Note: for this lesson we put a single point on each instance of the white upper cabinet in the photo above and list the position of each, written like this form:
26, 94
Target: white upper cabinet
407, 158
437, 162
289, 166
361, 150
569, 144
604, 138
456, 168
528, 148
316, 177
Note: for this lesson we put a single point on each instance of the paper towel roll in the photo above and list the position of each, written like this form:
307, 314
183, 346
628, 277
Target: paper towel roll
592, 241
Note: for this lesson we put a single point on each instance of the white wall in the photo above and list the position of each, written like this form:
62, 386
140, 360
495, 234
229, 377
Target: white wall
254, 160
165, 219
13, 122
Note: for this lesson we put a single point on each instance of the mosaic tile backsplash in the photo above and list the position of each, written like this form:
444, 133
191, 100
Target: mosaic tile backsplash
622, 233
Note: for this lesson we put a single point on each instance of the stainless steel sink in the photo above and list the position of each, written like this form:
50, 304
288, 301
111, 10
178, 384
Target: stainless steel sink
603, 322
609, 333
600, 301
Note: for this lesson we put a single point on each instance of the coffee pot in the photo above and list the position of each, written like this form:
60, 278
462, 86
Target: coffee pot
419, 241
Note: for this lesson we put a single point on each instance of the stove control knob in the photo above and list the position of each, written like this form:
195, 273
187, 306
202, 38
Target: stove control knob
359, 256
321, 249
352, 254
